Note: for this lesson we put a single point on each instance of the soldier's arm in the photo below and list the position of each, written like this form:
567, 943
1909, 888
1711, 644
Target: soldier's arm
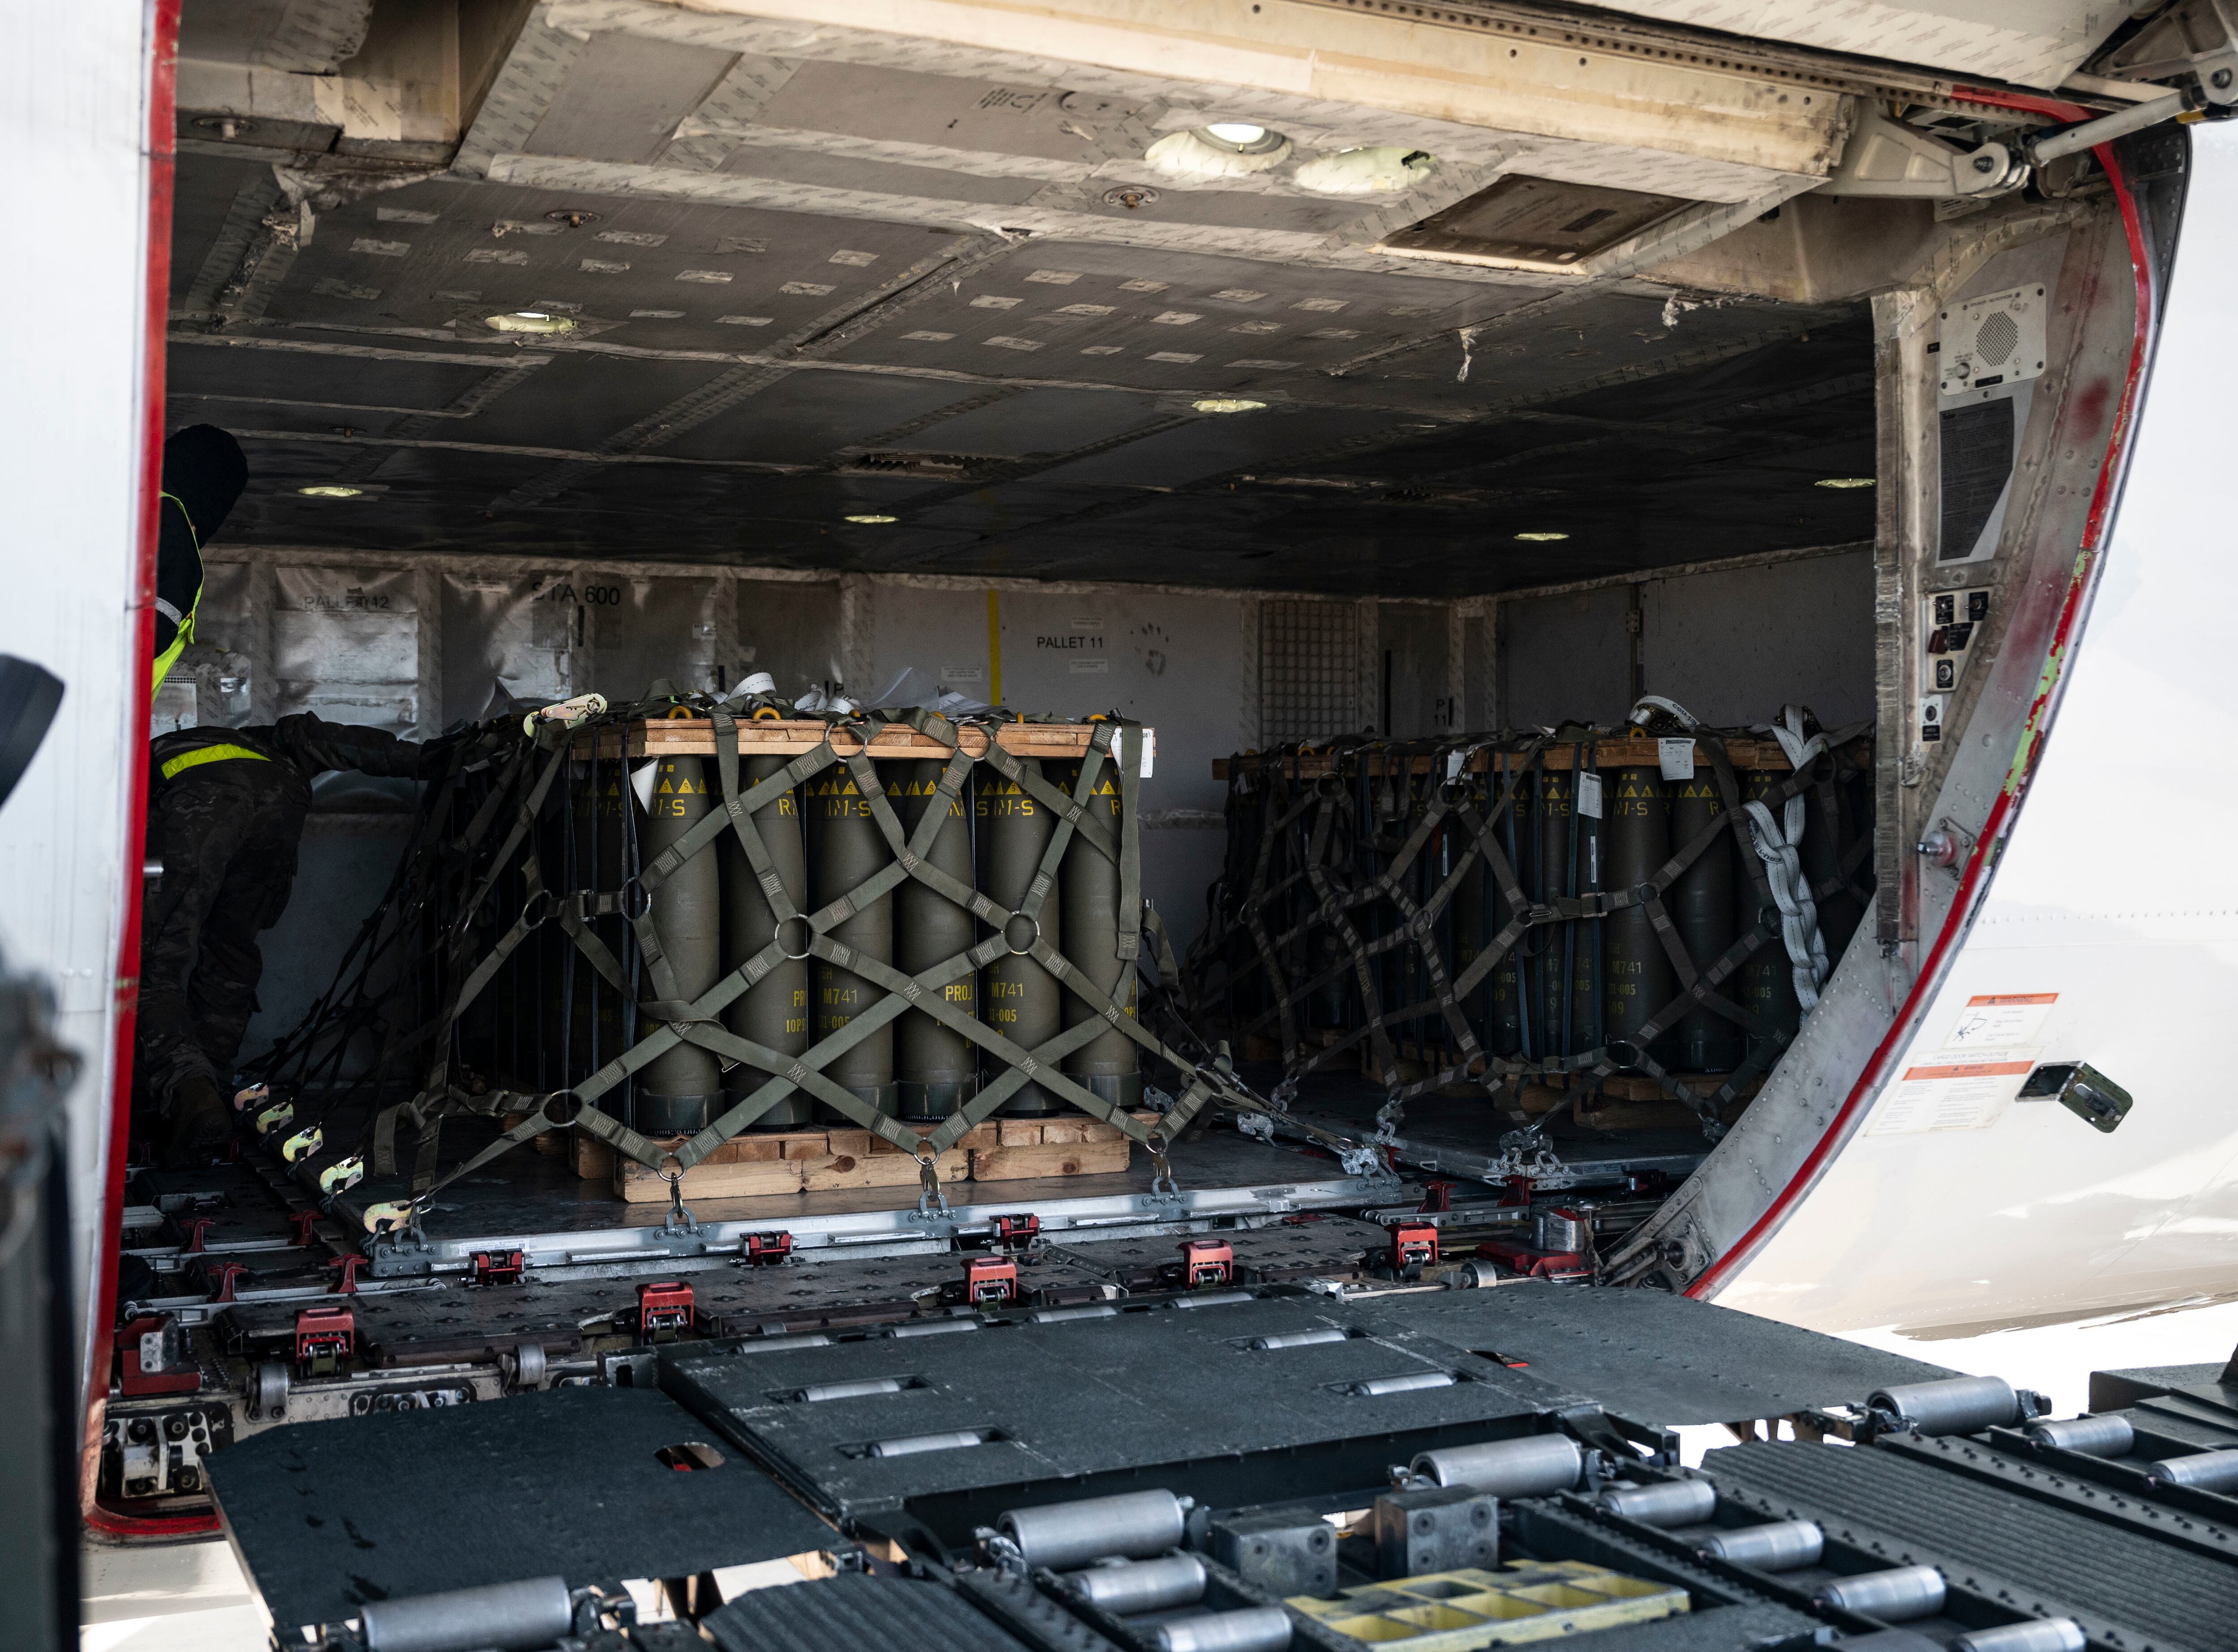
315, 745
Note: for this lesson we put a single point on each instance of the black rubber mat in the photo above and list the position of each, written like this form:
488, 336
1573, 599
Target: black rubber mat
855, 1611
329, 1515
2124, 1588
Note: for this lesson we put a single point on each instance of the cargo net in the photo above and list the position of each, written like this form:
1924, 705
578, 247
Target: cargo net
595, 925
1559, 908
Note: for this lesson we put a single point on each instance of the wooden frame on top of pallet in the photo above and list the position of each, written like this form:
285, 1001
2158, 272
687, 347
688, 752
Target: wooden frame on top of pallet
1607, 754
695, 736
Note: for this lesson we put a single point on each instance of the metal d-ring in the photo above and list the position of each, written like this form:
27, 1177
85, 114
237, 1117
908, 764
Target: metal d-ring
933, 1196
544, 912
804, 952
1025, 951
635, 895
679, 1219
1162, 1174
854, 723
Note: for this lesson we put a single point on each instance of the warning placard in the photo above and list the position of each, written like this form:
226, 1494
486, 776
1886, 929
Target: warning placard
1999, 1021
1956, 1090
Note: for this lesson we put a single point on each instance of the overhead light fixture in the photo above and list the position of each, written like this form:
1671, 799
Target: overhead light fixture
1242, 136
1536, 539
532, 321
1227, 405
1224, 149
1843, 481
869, 517
331, 491
1380, 169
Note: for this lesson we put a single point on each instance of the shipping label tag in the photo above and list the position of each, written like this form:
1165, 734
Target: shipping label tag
1589, 794
1677, 756
1454, 762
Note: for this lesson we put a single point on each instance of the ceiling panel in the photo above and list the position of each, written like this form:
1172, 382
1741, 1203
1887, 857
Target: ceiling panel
877, 177
804, 418
899, 105
1038, 421
623, 95
739, 380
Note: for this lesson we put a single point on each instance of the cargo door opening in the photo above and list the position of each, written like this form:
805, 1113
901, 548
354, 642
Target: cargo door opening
1447, 541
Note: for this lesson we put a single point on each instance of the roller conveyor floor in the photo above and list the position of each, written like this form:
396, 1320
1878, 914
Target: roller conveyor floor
896, 1462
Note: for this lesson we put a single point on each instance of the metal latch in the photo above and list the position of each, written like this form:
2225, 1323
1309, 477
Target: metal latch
1414, 1248
219, 1280
663, 1311
494, 1267
152, 1357
324, 1337
767, 1250
1207, 1262
990, 1281
1015, 1232
2082, 1090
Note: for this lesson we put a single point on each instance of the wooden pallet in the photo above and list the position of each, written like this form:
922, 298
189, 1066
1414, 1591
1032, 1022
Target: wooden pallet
1607, 754
819, 1161
691, 736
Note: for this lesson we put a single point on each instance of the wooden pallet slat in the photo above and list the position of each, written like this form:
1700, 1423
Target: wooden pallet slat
821, 1160
695, 736
1607, 754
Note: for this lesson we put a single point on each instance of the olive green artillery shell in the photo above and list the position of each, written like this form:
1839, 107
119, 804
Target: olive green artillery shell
1087, 884
1701, 900
773, 1012
1637, 977
938, 1069
1022, 999
844, 849
679, 1089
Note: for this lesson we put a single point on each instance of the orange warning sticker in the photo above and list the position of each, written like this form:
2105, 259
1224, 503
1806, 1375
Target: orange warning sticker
2000, 1021
1956, 1093
1971, 1069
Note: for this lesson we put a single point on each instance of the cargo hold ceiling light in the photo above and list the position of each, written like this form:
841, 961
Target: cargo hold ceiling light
1227, 405
1843, 481
1380, 169
1538, 538
331, 491
532, 321
868, 517
1223, 149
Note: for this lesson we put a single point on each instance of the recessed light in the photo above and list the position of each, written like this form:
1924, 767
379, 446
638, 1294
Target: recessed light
1243, 136
331, 491
1843, 481
532, 321
868, 517
1224, 149
1537, 537
1227, 405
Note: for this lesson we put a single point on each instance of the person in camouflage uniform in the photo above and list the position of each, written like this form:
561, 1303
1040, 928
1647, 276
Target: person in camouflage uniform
226, 813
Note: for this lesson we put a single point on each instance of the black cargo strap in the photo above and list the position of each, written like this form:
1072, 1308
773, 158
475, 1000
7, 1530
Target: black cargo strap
697, 1021
1296, 887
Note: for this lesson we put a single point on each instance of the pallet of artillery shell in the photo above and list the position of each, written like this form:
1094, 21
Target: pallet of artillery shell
695, 736
1607, 754
819, 1161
